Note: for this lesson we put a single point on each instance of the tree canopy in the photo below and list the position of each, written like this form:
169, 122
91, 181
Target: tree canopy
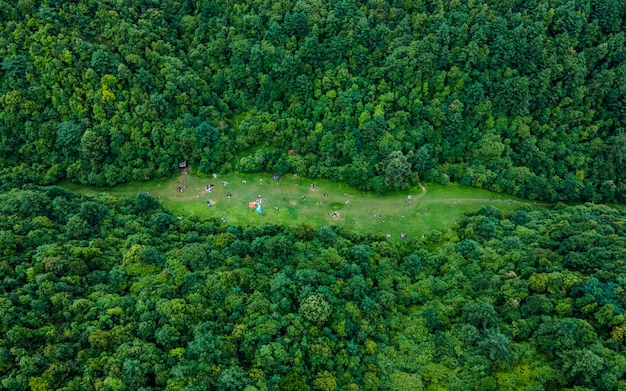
522, 97
99, 292
105, 293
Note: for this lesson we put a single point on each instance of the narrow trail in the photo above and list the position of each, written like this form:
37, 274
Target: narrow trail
421, 187
451, 200
461, 200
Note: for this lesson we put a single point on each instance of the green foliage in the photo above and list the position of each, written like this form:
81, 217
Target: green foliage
93, 213
93, 146
324, 381
143, 298
315, 309
77, 228
233, 378
161, 222
527, 99
396, 170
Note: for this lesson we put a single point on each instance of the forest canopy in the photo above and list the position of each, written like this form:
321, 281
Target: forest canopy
116, 294
105, 293
522, 97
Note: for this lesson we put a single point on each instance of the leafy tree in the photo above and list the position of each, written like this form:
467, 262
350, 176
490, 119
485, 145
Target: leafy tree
233, 378
497, 346
396, 170
161, 221
93, 213
93, 146
324, 381
480, 314
315, 309
77, 228
294, 381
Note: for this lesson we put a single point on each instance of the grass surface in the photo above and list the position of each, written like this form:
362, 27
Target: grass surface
290, 201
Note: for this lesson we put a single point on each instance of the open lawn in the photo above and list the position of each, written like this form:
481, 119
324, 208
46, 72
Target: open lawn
292, 201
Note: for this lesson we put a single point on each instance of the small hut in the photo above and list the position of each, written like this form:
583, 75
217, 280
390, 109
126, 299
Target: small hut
182, 165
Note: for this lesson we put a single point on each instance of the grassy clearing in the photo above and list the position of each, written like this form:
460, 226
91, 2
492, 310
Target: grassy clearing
291, 201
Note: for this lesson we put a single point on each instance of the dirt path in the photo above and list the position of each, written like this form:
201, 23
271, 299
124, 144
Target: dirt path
422, 187
452, 200
461, 200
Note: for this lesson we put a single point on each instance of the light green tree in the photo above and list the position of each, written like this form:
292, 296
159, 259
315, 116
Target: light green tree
315, 309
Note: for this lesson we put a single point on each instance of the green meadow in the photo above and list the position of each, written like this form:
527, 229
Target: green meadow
292, 201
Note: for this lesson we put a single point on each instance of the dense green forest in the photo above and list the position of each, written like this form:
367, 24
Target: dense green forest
99, 293
526, 97
109, 294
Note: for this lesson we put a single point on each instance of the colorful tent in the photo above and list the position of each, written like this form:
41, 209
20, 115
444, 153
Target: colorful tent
259, 209
252, 204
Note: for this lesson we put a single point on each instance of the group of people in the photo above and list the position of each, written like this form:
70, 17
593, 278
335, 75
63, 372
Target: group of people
258, 203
